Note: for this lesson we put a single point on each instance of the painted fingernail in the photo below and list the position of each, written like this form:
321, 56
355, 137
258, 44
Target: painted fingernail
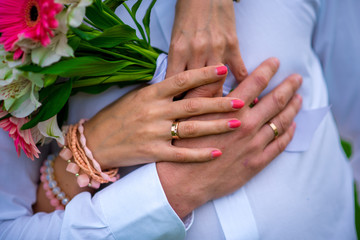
221, 70
216, 154
236, 103
234, 123
256, 100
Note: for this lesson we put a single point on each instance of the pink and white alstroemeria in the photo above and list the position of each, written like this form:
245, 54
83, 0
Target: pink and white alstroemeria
22, 138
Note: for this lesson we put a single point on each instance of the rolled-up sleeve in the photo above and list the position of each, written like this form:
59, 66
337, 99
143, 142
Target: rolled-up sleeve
135, 207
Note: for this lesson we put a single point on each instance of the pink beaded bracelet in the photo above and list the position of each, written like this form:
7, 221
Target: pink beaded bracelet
75, 149
89, 154
53, 192
83, 180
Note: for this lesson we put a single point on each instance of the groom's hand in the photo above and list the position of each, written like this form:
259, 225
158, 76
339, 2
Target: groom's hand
246, 151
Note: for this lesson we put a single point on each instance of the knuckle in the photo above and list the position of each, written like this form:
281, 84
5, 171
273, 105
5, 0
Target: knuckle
255, 164
284, 123
218, 44
279, 99
178, 45
222, 104
189, 129
180, 80
281, 145
232, 41
207, 74
261, 80
248, 127
179, 156
198, 45
191, 106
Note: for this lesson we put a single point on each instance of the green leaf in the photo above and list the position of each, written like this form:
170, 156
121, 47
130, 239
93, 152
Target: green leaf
135, 7
146, 19
74, 42
49, 80
84, 35
133, 16
102, 16
53, 100
113, 4
81, 66
114, 79
114, 36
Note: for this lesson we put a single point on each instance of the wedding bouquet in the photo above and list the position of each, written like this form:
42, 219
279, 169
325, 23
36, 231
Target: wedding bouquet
50, 49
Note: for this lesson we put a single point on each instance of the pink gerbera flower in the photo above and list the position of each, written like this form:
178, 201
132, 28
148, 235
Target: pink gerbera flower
34, 19
22, 138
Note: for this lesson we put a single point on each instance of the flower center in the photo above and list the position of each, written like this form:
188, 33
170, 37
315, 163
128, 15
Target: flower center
34, 14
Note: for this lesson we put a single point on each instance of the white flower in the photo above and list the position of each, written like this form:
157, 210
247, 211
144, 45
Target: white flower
51, 54
21, 94
76, 10
50, 128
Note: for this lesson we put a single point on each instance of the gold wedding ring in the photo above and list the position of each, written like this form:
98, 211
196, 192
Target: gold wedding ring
275, 129
175, 130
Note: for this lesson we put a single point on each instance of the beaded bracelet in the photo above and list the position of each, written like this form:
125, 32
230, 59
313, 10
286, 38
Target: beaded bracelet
93, 176
83, 180
53, 192
89, 154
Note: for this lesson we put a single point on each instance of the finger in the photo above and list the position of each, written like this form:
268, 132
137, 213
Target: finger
181, 155
184, 81
198, 49
197, 106
177, 60
236, 64
278, 145
282, 121
256, 82
275, 101
190, 129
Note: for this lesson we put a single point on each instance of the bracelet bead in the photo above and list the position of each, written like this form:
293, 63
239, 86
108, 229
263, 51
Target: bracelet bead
53, 192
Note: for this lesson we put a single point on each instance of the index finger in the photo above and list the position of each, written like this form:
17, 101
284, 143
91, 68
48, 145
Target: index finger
187, 80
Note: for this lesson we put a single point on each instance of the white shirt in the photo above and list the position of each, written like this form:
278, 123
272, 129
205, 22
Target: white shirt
302, 194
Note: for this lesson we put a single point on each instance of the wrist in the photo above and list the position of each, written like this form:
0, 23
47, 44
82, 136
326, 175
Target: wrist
180, 192
94, 138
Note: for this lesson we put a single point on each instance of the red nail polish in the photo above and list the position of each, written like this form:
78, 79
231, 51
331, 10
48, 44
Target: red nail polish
221, 70
234, 123
237, 104
216, 153
256, 100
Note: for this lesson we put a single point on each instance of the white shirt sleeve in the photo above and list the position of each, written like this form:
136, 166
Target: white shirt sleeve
135, 207
340, 57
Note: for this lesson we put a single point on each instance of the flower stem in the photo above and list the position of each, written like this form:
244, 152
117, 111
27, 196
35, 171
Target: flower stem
118, 55
151, 55
138, 78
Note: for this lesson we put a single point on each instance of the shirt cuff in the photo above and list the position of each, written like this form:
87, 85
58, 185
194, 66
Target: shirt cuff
136, 207
188, 220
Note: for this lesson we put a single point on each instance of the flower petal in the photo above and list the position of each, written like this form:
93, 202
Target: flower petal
50, 128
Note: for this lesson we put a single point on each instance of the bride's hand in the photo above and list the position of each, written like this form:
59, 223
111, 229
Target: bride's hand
136, 128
